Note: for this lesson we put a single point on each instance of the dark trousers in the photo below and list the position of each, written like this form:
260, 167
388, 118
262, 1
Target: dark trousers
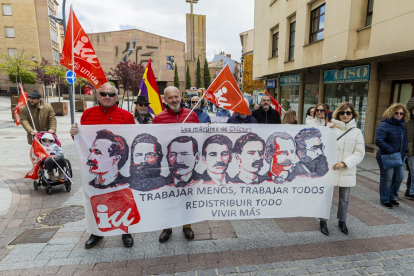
50, 164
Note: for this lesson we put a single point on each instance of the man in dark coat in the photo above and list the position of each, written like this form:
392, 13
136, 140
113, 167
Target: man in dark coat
266, 114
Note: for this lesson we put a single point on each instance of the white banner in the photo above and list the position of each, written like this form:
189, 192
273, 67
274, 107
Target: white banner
140, 178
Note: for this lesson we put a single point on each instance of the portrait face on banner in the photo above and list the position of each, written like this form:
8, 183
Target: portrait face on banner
216, 154
249, 152
146, 156
108, 154
182, 156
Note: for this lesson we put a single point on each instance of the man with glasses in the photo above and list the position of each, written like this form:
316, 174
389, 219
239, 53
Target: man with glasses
309, 149
141, 114
266, 114
202, 116
107, 112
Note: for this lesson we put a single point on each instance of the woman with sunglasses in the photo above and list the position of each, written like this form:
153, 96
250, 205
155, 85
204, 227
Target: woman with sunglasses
319, 116
350, 152
391, 138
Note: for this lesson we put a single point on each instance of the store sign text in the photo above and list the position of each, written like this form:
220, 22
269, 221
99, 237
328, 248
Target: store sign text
351, 74
290, 80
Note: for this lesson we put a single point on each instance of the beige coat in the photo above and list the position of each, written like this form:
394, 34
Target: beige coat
43, 117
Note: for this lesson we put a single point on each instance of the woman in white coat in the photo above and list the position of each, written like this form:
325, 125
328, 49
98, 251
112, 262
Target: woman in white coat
319, 116
350, 152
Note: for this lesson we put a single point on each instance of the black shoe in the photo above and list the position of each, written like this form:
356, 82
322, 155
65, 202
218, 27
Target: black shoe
188, 233
342, 226
324, 228
408, 196
92, 241
394, 203
128, 240
165, 235
387, 205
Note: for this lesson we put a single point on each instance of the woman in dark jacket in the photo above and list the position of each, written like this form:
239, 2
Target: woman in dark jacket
391, 138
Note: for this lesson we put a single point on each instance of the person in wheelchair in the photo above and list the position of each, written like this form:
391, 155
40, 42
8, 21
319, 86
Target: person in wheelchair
56, 152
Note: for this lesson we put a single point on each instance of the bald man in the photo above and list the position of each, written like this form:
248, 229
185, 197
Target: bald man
174, 114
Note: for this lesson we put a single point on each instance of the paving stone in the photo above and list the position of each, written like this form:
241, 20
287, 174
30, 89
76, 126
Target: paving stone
374, 269
64, 261
285, 265
305, 263
207, 272
52, 255
22, 265
393, 268
405, 259
408, 267
188, 273
357, 257
370, 263
334, 267
316, 269
348, 272
228, 270
265, 267
388, 254
389, 262
247, 268
322, 261
404, 252
270, 273
372, 256
352, 265
361, 271
298, 271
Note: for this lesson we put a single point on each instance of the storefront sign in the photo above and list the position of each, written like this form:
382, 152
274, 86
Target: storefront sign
351, 74
271, 83
290, 80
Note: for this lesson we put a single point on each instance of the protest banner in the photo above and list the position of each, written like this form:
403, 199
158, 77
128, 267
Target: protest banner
145, 178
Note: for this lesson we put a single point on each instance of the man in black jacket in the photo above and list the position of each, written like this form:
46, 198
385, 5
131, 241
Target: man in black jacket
266, 114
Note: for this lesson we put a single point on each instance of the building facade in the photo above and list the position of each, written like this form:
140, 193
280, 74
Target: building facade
226, 59
329, 51
25, 26
139, 46
247, 84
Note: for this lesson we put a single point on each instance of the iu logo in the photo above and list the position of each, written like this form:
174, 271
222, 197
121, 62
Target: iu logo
116, 210
83, 52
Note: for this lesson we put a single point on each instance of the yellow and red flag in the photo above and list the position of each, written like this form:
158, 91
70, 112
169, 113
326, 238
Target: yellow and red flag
149, 89
37, 155
225, 93
21, 102
77, 49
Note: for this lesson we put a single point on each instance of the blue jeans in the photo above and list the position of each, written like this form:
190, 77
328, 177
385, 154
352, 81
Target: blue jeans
409, 161
389, 186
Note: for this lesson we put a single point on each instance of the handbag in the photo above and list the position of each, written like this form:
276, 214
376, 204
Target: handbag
394, 159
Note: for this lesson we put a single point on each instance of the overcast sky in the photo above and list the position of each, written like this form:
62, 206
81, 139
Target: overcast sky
226, 19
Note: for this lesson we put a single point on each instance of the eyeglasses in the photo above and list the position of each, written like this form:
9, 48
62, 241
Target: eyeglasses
143, 104
316, 147
399, 113
194, 102
110, 94
320, 110
342, 113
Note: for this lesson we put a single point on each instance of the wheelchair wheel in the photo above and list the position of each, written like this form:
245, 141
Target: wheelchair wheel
49, 190
68, 187
35, 186
68, 168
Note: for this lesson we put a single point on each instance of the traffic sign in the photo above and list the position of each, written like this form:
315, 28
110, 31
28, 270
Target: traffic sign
70, 77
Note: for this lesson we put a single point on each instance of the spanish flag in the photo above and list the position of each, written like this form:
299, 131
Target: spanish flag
149, 89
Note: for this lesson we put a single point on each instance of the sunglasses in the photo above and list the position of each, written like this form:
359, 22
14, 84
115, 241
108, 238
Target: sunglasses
194, 102
320, 110
316, 147
143, 104
399, 113
110, 94
342, 113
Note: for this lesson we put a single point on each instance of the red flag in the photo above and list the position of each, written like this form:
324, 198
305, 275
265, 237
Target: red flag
86, 63
225, 93
21, 102
276, 106
37, 155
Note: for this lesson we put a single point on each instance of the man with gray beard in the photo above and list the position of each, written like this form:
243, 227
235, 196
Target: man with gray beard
141, 114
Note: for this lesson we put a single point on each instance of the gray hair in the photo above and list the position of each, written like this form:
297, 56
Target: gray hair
172, 87
108, 83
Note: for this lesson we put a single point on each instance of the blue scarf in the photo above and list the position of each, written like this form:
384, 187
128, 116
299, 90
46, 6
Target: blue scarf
398, 122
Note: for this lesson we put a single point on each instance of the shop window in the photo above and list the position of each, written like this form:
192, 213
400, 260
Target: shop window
9, 31
317, 24
289, 96
370, 10
275, 45
7, 10
402, 91
353, 92
292, 41
310, 98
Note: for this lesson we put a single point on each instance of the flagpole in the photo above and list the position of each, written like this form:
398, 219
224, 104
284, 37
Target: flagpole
72, 101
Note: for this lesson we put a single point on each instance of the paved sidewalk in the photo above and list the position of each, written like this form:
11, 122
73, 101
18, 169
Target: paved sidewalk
381, 241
